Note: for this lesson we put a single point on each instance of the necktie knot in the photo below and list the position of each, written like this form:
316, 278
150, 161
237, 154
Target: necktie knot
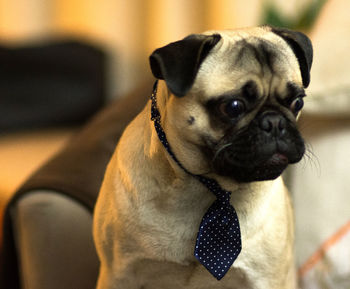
214, 187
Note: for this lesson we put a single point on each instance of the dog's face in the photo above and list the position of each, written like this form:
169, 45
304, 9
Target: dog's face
237, 95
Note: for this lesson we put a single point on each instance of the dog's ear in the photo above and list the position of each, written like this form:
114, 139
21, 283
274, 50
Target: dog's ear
178, 62
302, 48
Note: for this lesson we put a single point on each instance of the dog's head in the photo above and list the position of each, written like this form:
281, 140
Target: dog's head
236, 96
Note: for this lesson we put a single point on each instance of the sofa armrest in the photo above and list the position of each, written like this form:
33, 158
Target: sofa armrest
53, 236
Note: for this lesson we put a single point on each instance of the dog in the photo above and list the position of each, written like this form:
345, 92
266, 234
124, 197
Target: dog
224, 110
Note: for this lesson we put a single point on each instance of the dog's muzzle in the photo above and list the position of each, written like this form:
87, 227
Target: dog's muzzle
261, 151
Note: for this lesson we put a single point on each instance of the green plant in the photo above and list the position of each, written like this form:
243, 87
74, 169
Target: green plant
304, 21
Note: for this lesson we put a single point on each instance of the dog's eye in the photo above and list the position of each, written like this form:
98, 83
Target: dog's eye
233, 109
297, 104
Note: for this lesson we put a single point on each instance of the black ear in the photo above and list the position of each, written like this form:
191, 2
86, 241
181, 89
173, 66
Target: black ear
302, 48
178, 62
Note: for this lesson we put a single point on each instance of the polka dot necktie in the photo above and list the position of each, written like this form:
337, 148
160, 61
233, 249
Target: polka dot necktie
219, 238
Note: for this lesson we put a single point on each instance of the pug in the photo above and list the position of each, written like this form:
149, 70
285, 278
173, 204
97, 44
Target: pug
199, 168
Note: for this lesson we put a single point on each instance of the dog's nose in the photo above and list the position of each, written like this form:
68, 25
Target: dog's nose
273, 123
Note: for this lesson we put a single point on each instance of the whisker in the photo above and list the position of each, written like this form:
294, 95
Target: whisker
220, 150
312, 159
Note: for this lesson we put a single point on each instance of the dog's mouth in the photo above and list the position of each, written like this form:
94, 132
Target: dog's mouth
268, 168
272, 168
278, 159
257, 159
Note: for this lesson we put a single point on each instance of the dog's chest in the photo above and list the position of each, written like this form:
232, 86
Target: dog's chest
168, 242
169, 224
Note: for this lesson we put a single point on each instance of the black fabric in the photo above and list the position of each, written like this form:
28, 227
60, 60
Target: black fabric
50, 84
77, 171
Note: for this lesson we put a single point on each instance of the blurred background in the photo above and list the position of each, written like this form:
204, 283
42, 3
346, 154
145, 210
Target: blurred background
89, 53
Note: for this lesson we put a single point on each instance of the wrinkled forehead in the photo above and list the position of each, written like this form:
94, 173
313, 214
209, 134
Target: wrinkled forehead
240, 58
